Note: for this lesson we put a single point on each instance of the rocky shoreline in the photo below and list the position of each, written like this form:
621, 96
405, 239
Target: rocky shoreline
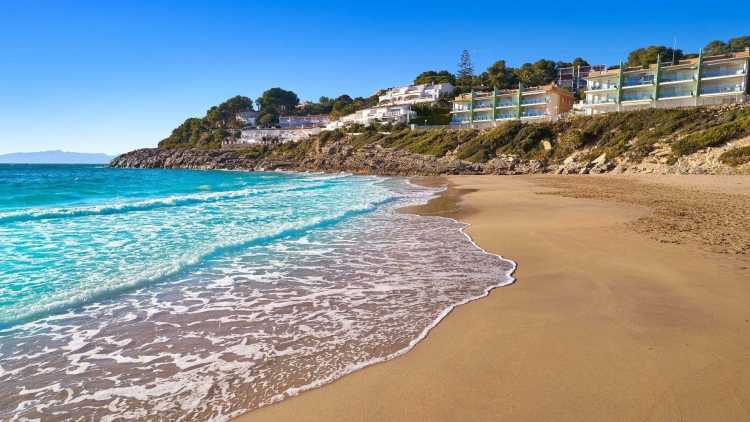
375, 159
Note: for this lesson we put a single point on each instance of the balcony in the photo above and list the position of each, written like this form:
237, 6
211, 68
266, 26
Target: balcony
723, 89
503, 104
601, 86
723, 72
532, 112
677, 78
637, 97
639, 81
596, 101
533, 101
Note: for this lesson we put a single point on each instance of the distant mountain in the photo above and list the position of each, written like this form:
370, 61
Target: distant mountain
54, 157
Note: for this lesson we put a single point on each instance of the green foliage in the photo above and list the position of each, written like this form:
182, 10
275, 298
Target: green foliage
645, 56
438, 114
208, 132
433, 77
718, 47
465, 75
736, 156
277, 101
712, 136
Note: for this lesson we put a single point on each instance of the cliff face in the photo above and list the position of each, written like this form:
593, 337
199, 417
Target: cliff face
336, 157
689, 141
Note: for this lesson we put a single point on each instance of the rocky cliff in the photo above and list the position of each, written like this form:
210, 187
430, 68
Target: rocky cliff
695, 141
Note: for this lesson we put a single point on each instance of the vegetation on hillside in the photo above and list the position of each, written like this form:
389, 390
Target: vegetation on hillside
736, 156
208, 132
634, 134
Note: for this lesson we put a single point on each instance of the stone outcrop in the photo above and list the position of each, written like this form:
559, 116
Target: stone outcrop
341, 155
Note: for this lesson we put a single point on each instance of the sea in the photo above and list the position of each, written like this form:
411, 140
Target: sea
156, 294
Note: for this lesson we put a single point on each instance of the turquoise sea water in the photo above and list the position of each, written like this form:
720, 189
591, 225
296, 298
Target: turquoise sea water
72, 233
200, 295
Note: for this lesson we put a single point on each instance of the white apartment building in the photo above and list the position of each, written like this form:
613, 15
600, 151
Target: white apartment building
385, 114
692, 82
414, 94
394, 105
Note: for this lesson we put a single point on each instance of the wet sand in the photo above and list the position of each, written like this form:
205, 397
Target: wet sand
625, 309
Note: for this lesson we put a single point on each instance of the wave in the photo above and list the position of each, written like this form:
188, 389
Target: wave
188, 262
508, 280
146, 205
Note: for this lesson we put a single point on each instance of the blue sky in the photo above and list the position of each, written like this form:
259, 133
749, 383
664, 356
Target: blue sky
113, 76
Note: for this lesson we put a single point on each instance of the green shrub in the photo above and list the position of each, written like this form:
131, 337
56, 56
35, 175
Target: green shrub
713, 136
736, 156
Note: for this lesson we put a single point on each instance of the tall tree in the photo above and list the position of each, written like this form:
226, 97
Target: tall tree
433, 77
715, 47
499, 75
465, 73
648, 55
278, 101
739, 43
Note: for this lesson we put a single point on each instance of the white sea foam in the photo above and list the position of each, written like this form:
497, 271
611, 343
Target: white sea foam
251, 327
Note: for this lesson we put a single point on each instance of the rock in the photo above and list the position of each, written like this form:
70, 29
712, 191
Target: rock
547, 145
600, 160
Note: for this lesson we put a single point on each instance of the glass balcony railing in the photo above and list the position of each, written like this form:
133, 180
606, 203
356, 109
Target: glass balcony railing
644, 80
731, 71
721, 89
636, 97
601, 86
531, 101
505, 116
532, 113
505, 104
482, 104
674, 94
677, 77
601, 101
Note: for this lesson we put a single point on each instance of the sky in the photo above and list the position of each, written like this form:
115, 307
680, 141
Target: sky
114, 76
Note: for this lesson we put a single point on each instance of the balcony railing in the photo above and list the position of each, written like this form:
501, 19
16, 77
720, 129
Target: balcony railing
532, 101
680, 77
636, 97
723, 72
721, 89
601, 101
601, 86
646, 80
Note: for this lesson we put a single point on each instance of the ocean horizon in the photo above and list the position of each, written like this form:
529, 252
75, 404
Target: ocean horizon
201, 295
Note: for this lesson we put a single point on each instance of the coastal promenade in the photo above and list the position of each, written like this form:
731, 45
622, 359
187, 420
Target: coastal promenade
630, 304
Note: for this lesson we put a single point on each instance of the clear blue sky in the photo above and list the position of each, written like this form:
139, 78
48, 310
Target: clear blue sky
113, 76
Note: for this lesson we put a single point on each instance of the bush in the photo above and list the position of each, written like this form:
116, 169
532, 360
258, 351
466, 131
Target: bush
713, 136
736, 156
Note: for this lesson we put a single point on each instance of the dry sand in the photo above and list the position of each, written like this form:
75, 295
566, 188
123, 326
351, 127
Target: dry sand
606, 321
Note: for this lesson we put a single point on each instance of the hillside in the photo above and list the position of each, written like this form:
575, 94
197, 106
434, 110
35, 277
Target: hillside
689, 140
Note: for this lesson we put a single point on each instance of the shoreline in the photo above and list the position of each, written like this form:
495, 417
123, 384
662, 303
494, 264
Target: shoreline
467, 351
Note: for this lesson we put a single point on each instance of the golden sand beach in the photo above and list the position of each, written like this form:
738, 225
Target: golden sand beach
632, 303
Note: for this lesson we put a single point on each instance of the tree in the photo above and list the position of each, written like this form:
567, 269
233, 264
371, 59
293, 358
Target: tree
643, 57
739, 43
278, 101
224, 115
465, 71
716, 47
541, 72
500, 76
433, 77
267, 119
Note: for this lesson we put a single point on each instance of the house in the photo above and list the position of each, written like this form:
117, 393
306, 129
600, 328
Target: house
394, 105
414, 94
485, 109
248, 117
698, 81
302, 122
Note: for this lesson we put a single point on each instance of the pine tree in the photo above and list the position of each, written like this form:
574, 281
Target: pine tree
465, 71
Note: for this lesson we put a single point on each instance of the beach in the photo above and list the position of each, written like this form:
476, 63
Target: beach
631, 303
